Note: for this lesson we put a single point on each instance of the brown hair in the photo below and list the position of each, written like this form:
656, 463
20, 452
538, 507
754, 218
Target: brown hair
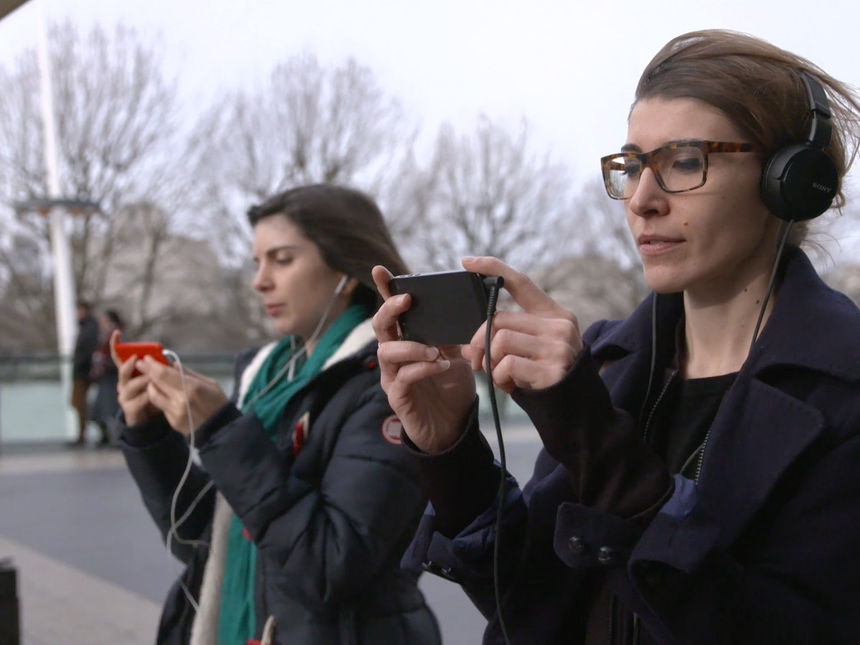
347, 227
757, 85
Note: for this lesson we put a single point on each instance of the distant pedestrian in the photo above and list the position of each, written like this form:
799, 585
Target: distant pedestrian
85, 345
103, 374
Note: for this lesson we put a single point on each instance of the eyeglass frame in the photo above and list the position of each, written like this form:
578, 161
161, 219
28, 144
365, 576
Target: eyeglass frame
648, 160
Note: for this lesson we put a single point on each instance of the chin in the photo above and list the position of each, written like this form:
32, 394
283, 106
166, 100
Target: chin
284, 330
279, 327
661, 283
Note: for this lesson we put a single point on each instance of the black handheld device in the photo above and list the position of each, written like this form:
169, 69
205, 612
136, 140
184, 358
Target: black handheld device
447, 307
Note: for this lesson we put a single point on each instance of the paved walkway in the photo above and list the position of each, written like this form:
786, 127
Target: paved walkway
61, 604
91, 568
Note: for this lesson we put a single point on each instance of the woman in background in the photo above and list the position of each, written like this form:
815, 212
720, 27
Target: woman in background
316, 500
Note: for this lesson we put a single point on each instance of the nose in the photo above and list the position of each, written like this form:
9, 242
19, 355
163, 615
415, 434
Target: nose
261, 281
648, 198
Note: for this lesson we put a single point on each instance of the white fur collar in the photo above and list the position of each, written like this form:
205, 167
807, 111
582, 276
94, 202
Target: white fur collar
204, 629
360, 336
251, 370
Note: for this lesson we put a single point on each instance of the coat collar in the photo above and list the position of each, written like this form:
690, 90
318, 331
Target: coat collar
811, 326
359, 338
759, 430
358, 342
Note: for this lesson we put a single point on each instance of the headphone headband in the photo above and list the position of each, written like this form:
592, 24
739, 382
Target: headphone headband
820, 128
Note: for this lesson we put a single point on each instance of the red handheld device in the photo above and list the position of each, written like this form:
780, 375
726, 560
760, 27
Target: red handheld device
125, 351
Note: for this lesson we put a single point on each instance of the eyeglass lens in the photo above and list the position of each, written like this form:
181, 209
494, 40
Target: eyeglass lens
676, 168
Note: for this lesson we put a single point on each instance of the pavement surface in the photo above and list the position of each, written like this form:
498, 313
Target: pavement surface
91, 566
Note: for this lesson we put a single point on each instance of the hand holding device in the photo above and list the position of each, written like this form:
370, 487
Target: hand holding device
430, 389
541, 341
132, 390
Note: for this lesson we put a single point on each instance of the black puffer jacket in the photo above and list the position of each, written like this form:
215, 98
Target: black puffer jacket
330, 522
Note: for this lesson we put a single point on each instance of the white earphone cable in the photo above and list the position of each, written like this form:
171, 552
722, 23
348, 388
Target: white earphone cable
173, 532
289, 366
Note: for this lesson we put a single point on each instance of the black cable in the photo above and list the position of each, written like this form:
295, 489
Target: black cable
653, 366
786, 227
495, 283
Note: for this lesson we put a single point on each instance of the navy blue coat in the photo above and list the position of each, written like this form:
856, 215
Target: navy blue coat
763, 547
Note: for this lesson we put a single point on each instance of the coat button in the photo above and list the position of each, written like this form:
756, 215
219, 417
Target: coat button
607, 556
576, 544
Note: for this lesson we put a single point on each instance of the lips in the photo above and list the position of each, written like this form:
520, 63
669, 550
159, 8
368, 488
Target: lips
273, 308
657, 244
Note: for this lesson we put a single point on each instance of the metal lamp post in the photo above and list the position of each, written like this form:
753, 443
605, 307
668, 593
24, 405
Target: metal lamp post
55, 208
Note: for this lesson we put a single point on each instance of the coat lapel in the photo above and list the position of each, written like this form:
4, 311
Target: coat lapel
758, 432
761, 430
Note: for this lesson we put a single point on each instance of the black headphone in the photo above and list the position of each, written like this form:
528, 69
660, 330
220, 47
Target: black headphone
799, 181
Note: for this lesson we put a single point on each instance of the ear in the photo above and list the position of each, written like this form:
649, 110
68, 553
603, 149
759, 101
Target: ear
350, 286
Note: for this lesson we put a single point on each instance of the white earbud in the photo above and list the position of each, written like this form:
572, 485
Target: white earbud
340, 285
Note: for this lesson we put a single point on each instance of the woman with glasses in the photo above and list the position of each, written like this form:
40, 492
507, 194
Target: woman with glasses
699, 480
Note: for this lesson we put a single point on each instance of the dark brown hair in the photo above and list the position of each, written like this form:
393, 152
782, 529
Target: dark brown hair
114, 317
347, 227
757, 85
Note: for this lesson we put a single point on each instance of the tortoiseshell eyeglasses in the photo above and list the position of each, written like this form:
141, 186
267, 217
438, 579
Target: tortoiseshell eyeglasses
678, 167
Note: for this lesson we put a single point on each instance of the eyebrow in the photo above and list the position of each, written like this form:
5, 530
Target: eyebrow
632, 147
275, 249
283, 247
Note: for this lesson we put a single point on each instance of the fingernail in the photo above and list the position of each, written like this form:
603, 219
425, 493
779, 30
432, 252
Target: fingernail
445, 363
432, 353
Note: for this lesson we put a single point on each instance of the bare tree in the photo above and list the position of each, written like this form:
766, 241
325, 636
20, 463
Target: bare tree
599, 275
117, 144
606, 229
310, 123
26, 294
490, 192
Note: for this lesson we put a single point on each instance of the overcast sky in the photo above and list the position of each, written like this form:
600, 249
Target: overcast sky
569, 67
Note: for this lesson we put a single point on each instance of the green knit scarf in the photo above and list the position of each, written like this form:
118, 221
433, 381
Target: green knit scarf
236, 616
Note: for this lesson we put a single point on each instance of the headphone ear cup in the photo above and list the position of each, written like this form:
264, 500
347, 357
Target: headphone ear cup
799, 182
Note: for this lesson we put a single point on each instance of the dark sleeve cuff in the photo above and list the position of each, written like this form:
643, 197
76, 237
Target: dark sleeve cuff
610, 467
146, 433
220, 418
561, 412
461, 482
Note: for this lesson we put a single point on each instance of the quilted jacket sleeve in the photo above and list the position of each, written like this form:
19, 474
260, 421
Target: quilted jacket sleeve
331, 535
158, 458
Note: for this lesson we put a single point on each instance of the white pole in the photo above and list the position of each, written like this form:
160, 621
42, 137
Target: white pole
64, 285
